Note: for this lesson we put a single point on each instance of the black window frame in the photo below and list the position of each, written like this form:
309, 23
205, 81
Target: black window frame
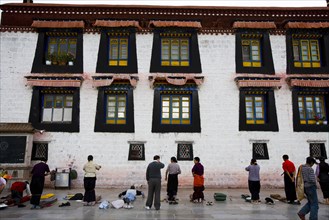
324, 52
322, 149
296, 118
190, 145
271, 123
100, 124
36, 111
257, 156
194, 127
266, 52
194, 59
39, 65
34, 150
103, 52
130, 157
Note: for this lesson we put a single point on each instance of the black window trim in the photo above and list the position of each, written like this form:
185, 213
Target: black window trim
195, 62
36, 112
39, 65
195, 126
266, 53
324, 52
101, 126
102, 60
296, 120
271, 120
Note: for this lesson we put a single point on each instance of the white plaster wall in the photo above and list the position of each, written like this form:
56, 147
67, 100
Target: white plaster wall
223, 149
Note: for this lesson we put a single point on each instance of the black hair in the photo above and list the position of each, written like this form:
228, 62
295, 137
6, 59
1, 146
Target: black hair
310, 160
197, 159
132, 187
156, 157
254, 161
285, 157
90, 157
43, 159
173, 159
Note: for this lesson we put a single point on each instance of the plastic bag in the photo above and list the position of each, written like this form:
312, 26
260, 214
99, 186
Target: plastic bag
104, 205
118, 203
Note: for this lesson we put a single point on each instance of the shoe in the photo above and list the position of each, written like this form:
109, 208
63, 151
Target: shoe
21, 205
301, 216
174, 202
147, 207
65, 204
36, 207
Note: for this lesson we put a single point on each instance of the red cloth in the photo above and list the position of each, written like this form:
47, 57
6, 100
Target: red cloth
18, 186
288, 166
198, 180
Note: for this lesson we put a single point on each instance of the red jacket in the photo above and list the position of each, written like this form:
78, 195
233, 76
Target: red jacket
18, 186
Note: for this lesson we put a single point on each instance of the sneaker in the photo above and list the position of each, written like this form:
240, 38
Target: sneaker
147, 207
301, 216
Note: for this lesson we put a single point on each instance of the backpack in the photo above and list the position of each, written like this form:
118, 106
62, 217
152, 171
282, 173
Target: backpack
300, 185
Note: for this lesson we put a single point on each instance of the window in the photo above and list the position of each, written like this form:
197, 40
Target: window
175, 51
12, 149
136, 152
59, 51
115, 110
259, 151
253, 52
117, 51
184, 151
257, 110
39, 151
175, 109
310, 109
306, 53
55, 109
318, 150
61, 48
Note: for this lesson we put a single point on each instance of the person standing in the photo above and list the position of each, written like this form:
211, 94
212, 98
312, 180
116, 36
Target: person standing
254, 181
39, 171
310, 190
153, 177
89, 181
198, 181
322, 172
17, 189
289, 179
172, 172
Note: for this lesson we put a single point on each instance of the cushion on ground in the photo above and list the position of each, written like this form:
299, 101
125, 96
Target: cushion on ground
219, 196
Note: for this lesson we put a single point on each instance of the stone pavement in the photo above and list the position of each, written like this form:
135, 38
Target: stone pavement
233, 208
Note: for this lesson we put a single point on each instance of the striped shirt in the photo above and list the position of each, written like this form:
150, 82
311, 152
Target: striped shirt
308, 176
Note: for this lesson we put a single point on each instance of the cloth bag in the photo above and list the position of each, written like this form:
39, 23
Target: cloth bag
118, 203
300, 185
104, 205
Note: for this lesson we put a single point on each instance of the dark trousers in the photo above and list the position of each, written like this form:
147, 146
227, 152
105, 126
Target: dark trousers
325, 189
37, 184
254, 188
289, 188
172, 186
198, 192
89, 184
16, 196
154, 188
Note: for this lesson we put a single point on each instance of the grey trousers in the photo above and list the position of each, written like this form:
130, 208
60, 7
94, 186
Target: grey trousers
154, 188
